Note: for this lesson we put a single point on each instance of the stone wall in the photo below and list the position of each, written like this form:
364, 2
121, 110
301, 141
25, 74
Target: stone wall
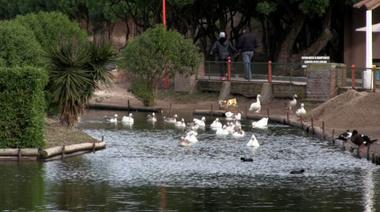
324, 80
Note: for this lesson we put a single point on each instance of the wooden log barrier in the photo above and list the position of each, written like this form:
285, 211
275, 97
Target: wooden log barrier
22, 151
69, 149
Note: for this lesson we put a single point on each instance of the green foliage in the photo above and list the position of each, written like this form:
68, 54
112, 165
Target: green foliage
22, 107
51, 28
18, 46
143, 91
69, 75
77, 68
266, 7
156, 52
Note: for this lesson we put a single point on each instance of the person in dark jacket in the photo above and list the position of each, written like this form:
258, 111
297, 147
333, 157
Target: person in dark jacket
222, 48
247, 44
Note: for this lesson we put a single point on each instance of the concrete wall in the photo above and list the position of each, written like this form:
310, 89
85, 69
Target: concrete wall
355, 42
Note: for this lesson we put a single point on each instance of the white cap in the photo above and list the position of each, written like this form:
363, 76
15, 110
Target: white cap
222, 35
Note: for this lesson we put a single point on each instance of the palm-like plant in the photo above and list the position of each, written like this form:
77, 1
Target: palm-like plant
76, 70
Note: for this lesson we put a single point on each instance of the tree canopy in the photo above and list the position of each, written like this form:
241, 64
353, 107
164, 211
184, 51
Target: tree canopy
288, 28
158, 52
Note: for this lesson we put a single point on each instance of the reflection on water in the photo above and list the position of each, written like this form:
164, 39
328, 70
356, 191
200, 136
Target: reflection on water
144, 169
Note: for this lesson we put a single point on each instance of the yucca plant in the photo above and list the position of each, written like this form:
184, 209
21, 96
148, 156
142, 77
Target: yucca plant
76, 70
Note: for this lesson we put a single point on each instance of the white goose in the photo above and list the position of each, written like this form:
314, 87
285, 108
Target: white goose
201, 122
229, 115
111, 120
222, 131
238, 116
239, 133
184, 143
253, 142
256, 106
291, 103
301, 111
216, 124
171, 119
190, 137
128, 119
262, 123
181, 124
151, 118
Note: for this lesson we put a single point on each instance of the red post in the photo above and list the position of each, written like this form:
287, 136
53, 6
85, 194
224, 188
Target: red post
353, 76
270, 72
374, 78
229, 69
164, 22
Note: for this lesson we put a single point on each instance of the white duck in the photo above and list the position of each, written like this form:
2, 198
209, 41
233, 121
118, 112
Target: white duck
238, 116
151, 118
171, 119
111, 120
301, 111
190, 137
253, 142
256, 106
291, 103
216, 124
184, 143
128, 119
181, 124
238, 133
229, 115
262, 123
201, 122
222, 131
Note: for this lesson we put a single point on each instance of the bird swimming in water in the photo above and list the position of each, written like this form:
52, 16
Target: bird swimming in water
246, 159
297, 171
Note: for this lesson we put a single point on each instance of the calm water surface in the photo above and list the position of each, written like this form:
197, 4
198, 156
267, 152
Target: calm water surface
144, 169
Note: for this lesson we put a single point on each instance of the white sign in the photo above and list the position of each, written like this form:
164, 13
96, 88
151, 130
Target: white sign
314, 59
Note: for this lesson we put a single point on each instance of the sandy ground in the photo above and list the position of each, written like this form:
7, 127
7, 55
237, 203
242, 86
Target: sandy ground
351, 110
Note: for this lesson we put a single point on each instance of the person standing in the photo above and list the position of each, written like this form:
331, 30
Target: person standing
222, 48
247, 44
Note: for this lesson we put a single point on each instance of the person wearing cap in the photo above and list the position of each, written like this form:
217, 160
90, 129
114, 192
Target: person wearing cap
247, 44
222, 48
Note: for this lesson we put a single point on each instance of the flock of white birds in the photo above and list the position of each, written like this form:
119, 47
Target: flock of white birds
231, 127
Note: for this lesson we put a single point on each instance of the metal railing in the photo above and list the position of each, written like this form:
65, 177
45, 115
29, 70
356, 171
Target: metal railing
289, 72
261, 71
355, 77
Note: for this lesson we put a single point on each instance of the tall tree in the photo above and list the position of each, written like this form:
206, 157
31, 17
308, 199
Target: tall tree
155, 53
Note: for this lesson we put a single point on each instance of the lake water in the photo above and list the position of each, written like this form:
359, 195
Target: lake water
144, 169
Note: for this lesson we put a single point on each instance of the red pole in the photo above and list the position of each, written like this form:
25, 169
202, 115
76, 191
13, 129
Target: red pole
164, 12
270, 72
229, 69
164, 22
353, 76
374, 78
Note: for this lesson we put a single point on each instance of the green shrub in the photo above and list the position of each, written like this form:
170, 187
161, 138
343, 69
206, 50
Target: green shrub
51, 28
22, 107
18, 46
143, 92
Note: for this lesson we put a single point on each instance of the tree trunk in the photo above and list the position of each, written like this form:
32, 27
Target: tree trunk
287, 45
322, 40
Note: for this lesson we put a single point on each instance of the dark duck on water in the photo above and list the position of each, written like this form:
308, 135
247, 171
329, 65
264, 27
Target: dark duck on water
246, 159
